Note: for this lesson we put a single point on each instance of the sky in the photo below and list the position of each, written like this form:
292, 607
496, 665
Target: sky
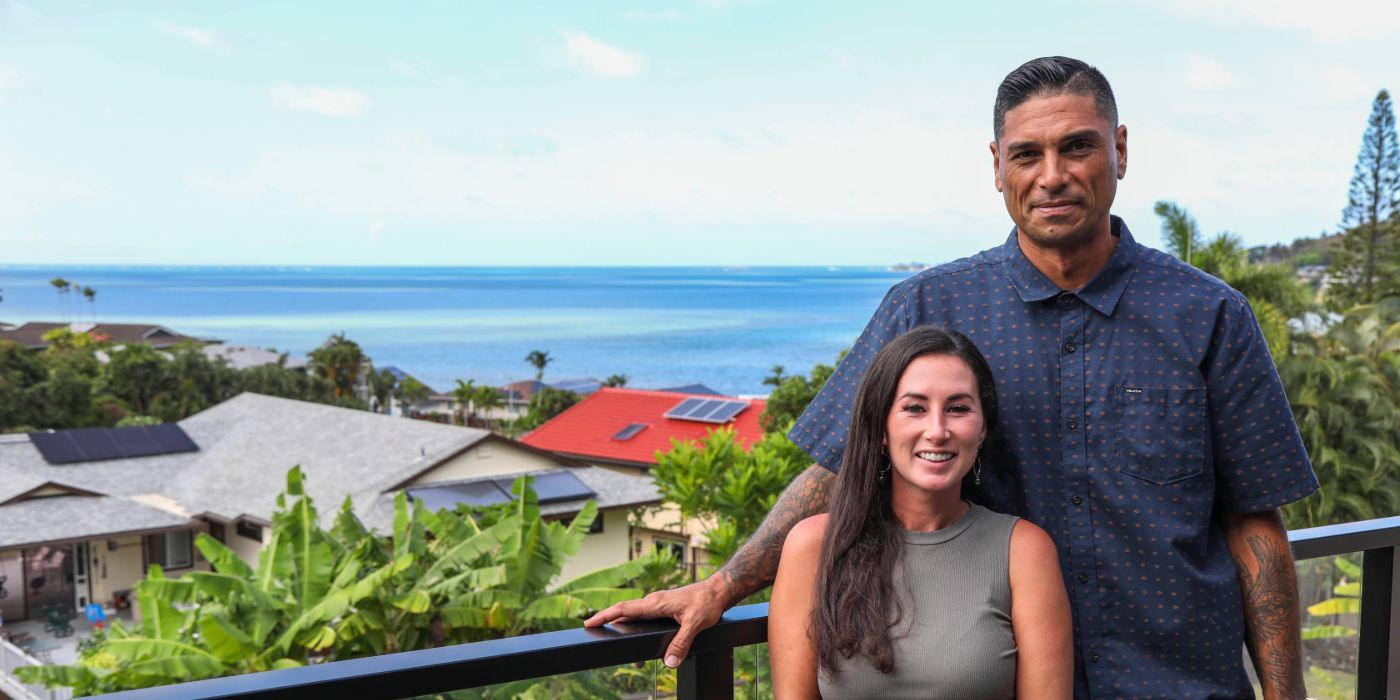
710, 132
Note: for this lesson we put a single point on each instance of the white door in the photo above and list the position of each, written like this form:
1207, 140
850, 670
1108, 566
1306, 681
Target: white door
82, 589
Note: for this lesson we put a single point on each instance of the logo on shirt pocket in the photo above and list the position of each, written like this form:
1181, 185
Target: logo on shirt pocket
1161, 432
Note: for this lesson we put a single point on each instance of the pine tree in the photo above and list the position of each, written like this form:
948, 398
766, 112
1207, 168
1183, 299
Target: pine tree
1365, 263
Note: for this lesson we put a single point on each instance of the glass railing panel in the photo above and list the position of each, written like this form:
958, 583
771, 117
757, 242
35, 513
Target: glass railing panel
624, 682
1329, 589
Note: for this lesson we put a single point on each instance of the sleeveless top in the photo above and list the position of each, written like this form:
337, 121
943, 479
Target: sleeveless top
954, 639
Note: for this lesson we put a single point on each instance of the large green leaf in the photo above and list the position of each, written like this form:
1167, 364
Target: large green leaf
311, 554
468, 550
72, 676
1335, 606
159, 619
223, 559
142, 648
275, 568
609, 576
186, 667
1328, 632
230, 644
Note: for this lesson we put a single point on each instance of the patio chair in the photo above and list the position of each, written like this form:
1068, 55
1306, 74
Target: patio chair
58, 622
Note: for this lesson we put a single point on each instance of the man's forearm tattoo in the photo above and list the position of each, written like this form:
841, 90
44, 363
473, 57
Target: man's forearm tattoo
755, 565
1271, 614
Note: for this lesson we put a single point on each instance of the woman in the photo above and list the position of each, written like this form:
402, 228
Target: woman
904, 589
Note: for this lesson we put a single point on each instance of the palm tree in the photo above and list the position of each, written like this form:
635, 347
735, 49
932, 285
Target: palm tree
615, 380
338, 361
62, 286
409, 393
1179, 233
464, 395
381, 385
91, 295
487, 398
539, 359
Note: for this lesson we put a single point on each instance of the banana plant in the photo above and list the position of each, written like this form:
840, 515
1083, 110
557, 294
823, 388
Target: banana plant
322, 595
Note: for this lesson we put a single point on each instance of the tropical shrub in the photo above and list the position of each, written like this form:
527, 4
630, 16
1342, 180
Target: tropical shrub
321, 595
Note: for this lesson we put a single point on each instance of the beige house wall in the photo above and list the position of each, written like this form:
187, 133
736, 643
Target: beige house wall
246, 548
115, 569
487, 458
606, 548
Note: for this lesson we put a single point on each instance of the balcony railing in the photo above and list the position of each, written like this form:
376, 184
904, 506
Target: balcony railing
709, 670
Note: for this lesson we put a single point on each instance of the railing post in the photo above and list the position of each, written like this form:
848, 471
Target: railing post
706, 676
1378, 655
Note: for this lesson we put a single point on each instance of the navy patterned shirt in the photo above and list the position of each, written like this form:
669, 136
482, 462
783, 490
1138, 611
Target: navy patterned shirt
1133, 412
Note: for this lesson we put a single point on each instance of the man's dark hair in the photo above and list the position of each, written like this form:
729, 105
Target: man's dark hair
1050, 76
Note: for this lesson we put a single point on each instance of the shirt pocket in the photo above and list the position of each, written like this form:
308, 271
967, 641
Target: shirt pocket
1161, 432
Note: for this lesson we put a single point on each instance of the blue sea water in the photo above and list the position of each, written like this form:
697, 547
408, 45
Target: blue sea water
721, 327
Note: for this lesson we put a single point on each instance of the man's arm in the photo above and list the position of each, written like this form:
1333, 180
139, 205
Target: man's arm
1269, 583
751, 569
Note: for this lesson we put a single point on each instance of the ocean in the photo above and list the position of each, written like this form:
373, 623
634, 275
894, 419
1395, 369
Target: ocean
722, 327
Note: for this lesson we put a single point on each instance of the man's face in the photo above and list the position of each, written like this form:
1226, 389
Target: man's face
1058, 163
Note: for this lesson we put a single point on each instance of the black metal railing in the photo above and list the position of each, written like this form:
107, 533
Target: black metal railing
709, 670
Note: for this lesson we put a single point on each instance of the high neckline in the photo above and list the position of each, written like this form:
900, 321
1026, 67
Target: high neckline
943, 534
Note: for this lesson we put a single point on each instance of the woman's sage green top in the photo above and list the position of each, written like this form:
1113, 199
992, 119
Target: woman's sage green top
954, 640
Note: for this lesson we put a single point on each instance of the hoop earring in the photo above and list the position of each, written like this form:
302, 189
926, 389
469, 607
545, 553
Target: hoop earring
884, 477
977, 471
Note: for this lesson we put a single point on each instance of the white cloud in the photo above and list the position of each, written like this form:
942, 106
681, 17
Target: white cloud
331, 102
203, 38
1333, 22
1344, 83
594, 56
1206, 73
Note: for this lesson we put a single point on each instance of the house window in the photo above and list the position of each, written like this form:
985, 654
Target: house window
249, 530
216, 530
171, 550
675, 547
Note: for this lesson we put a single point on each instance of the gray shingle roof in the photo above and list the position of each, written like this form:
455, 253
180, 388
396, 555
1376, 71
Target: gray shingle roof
56, 518
247, 444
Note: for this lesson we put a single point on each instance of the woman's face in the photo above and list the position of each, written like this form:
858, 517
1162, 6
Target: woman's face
936, 424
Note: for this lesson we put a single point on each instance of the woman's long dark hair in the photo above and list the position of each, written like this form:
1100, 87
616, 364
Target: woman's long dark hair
856, 601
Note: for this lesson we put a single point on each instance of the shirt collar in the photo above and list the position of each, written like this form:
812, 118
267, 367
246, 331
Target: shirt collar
1101, 293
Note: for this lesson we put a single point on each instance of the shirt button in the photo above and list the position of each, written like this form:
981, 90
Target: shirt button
1072, 423
1084, 578
1094, 658
1070, 346
1076, 500
1066, 299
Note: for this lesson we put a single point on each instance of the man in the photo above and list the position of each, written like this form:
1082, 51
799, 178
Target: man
1143, 424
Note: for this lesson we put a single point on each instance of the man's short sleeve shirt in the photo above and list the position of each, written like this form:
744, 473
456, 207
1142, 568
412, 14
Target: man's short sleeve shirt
1132, 412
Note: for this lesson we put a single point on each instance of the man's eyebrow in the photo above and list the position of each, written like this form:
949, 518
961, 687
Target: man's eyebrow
1020, 146
1082, 135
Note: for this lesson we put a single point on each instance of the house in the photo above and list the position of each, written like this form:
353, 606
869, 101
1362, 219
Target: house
623, 429
83, 512
244, 356
436, 403
31, 335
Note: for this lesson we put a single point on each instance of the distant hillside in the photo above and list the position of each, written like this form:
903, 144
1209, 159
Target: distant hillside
1299, 253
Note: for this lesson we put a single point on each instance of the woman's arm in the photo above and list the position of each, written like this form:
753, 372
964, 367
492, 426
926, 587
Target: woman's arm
1040, 617
791, 649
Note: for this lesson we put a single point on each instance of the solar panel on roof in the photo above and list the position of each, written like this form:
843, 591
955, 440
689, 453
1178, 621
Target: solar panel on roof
476, 493
97, 444
56, 447
684, 408
707, 410
554, 487
171, 437
727, 412
136, 442
629, 432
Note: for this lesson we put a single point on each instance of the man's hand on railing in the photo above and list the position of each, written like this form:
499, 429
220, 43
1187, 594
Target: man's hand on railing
696, 607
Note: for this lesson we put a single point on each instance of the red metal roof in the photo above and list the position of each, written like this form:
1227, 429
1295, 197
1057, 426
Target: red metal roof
587, 428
